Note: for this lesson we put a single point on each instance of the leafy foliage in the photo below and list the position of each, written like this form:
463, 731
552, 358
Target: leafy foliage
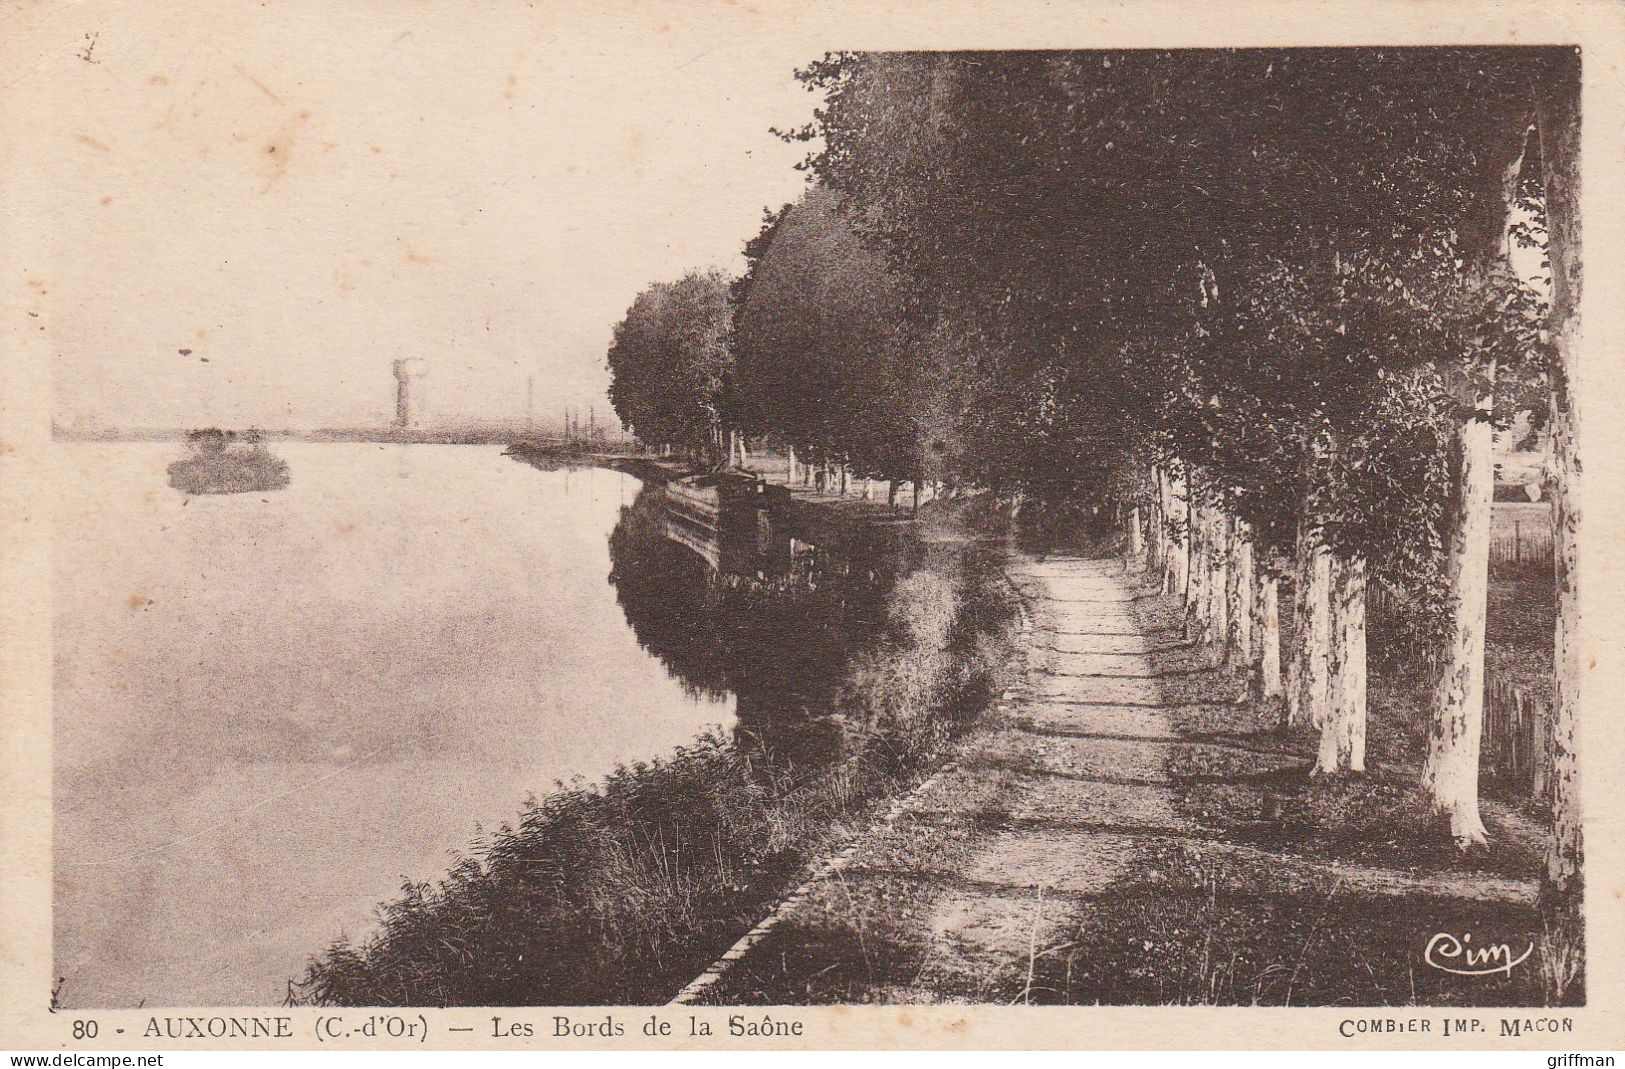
1248, 259
823, 359
669, 359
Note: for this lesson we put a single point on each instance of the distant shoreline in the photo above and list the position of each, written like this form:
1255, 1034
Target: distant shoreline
381, 436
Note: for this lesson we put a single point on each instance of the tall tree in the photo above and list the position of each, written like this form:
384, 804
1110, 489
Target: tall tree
669, 359
820, 342
1557, 92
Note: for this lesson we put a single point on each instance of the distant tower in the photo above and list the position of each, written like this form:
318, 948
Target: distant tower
409, 391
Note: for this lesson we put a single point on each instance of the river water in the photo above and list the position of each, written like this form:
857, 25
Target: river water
270, 709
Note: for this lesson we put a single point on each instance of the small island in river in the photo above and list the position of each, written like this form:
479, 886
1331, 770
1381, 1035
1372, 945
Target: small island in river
221, 462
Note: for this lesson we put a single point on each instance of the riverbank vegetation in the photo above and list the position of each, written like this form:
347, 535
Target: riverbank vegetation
622, 891
1266, 307
223, 462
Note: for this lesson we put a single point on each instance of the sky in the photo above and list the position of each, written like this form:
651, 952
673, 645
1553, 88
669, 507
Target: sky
254, 209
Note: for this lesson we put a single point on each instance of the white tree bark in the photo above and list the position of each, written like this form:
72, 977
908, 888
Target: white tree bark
1342, 733
1243, 601
1179, 536
1154, 521
1293, 712
1450, 773
1317, 671
1309, 670
1196, 574
1218, 613
1269, 664
1563, 883
1153, 528
1168, 547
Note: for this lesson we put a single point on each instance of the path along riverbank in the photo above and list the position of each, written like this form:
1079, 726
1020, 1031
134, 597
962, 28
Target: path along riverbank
1121, 830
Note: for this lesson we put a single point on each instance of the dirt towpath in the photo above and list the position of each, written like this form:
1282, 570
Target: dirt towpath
1056, 854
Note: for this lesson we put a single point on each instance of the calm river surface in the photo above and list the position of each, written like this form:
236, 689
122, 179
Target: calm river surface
270, 708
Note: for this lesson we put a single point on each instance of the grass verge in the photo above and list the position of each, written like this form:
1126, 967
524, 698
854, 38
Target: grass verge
1224, 933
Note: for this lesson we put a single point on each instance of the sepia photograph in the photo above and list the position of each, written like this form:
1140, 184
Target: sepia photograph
557, 506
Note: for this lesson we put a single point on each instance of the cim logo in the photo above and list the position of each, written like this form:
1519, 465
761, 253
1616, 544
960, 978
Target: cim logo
1449, 954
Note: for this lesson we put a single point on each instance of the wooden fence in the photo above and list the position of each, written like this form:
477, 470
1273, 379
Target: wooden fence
1517, 738
1516, 749
1521, 546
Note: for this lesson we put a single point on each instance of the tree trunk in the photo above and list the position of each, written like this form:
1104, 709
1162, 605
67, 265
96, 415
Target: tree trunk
1310, 670
1136, 538
1165, 547
1269, 665
1342, 734
1239, 640
1179, 537
1160, 531
1214, 588
1212, 582
1154, 544
1563, 883
1220, 552
1195, 575
1317, 671
1185, 530
1450, 773
1292, 711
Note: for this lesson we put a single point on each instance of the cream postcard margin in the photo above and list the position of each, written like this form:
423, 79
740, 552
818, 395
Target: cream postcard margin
40, 42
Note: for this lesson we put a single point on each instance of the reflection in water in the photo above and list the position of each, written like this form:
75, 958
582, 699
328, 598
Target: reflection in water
620, 892
774, 624
269, 708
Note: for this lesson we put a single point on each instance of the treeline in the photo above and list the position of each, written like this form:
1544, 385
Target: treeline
1264, 303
